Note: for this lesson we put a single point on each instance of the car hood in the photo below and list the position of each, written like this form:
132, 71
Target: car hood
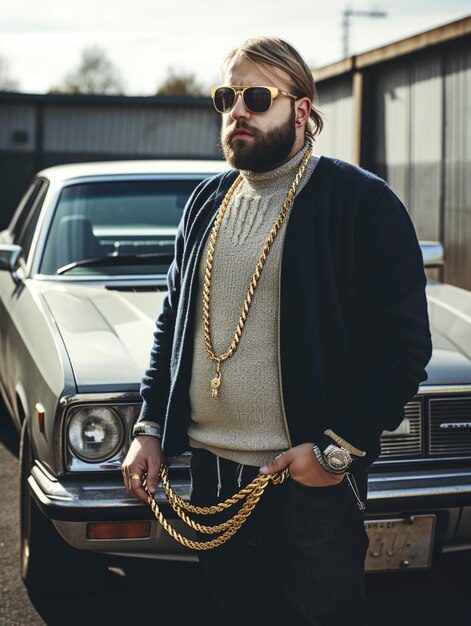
449, 310
107, 331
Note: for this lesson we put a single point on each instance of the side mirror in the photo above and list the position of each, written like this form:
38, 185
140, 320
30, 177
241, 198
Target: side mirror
10, 255
433, 253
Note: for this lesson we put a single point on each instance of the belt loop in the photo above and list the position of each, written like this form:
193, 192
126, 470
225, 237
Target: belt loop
218, 466
239, 479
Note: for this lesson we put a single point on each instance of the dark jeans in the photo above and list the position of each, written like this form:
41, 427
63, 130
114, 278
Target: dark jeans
299, 558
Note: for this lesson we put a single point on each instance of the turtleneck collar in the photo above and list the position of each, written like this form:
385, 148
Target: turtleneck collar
280, 175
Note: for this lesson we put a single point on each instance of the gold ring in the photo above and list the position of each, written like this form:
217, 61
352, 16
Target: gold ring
135, 476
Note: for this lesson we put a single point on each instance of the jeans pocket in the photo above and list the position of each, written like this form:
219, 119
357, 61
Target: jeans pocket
319, 489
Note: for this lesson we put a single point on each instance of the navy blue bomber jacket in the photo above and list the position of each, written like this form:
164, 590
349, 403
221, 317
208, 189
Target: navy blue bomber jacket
354, 330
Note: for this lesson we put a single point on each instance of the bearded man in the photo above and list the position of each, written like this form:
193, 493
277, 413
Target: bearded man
294, 332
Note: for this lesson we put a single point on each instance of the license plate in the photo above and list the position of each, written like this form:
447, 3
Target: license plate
400, 544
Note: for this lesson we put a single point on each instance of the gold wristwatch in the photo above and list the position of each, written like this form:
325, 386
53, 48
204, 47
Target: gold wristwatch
332, 459
334, 454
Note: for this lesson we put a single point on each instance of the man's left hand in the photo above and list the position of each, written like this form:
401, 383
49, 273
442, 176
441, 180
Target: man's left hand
303, 467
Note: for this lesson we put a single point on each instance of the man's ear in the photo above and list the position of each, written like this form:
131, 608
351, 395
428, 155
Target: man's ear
303, 109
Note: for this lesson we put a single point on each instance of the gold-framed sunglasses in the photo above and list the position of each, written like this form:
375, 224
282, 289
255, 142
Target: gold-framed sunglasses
257, 99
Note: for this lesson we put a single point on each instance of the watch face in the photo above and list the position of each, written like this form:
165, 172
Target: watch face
338, 459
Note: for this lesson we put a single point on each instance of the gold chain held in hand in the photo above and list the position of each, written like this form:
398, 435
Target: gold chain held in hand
251, 493
218, 359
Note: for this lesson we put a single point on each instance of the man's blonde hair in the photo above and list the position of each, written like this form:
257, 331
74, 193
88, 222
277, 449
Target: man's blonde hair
278, 54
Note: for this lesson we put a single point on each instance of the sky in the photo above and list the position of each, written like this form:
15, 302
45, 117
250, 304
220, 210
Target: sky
43, 41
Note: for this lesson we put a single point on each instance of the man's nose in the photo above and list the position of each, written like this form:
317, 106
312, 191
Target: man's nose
239, 109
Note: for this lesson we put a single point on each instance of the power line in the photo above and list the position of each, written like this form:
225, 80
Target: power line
347, 14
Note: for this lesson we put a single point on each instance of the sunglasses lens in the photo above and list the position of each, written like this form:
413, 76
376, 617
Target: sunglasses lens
224, 99
257, 99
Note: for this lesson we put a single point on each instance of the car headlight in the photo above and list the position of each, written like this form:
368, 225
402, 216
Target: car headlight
95, 433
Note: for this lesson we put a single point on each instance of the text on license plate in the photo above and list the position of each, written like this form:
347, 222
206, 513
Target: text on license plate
402, 543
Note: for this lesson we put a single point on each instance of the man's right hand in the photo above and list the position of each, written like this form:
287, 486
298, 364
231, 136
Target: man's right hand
144, 456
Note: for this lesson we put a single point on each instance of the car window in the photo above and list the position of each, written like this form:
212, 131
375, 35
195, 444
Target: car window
26, 234
23, 210
103, 219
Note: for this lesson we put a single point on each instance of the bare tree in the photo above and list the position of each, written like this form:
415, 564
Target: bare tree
6, 83
179, 83
96, 74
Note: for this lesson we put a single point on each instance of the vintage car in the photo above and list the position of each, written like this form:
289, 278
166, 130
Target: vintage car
82, 280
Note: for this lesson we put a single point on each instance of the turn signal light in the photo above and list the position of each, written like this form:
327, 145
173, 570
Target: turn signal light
118, 530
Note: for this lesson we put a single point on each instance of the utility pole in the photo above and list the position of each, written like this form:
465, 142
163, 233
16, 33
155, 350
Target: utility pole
349, 13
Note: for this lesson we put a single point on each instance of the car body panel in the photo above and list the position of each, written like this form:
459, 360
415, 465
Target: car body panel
108, 333
80, 340
450, 320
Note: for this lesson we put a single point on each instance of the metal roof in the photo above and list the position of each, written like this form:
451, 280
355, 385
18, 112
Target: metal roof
435, 36
82, 98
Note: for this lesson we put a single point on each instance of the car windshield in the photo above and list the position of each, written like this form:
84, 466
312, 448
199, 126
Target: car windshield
134, 219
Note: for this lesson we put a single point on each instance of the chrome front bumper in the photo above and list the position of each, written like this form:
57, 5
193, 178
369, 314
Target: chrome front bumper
444, 492
441, 486
71, 502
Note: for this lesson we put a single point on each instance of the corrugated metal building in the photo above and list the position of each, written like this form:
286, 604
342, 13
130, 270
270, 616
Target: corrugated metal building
37, 131
403, 111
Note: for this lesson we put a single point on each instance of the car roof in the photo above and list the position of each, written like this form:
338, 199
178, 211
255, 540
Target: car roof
59, 173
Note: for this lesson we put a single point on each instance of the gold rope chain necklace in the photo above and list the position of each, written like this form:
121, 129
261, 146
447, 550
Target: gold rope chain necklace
248, 496
218, 359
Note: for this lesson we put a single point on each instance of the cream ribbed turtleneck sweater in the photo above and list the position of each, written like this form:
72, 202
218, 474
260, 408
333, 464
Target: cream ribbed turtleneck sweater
246, 423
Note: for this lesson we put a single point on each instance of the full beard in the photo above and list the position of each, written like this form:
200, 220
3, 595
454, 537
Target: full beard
265, 152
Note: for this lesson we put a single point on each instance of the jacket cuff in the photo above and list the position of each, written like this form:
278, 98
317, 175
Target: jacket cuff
148, 415
340, 441
337, 440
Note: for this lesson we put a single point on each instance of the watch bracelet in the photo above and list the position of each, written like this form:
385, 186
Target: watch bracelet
147, 434
322, 463
145, 427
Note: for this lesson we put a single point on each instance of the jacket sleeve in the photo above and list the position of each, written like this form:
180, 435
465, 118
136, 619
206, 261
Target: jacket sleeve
155, 383
393, 343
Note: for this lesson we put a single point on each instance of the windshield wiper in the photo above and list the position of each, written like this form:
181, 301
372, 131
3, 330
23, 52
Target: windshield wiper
119, 259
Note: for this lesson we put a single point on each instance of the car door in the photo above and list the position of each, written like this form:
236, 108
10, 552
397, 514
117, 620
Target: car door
14, 299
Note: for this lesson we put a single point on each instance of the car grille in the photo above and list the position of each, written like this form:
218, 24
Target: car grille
446, 422
450, 426
406, 440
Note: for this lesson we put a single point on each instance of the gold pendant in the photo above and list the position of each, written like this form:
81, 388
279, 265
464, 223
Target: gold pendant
215, 383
